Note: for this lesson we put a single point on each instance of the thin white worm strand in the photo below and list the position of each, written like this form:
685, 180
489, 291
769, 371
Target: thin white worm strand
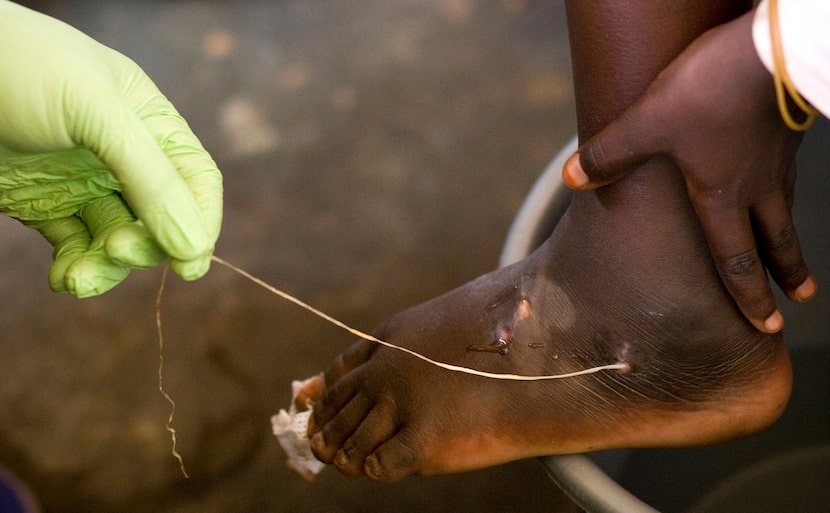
443, 365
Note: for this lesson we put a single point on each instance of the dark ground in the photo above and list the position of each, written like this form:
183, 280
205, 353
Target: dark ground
374, 153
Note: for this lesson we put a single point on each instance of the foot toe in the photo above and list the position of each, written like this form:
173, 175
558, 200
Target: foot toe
326, 441
394, 460
353, 357
335, 399
376, 428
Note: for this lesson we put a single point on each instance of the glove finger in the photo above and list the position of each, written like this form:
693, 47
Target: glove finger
132, 245
193, 163
77, 269
191, 270
70, 239
173, 135
732, 243
197, 169
104, 214
780, 246
91, 271
94, 273
622, 145
155, 191
114, 228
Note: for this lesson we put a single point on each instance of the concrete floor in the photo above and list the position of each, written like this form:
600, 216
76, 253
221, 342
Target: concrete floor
374, 153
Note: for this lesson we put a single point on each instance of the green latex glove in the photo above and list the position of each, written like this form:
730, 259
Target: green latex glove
94, 157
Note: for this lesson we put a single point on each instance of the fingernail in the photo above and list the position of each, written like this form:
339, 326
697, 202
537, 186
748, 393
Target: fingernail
774, 322
806, 290
573, 174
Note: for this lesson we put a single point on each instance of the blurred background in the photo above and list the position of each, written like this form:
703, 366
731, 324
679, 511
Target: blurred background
374, 154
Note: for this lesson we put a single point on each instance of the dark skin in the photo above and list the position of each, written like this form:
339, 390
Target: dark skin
713, 112
606, 287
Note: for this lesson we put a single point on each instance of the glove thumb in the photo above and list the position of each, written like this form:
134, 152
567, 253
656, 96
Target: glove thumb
155, 191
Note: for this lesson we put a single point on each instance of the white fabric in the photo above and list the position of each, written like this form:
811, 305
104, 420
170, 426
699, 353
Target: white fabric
805, 38
290, 429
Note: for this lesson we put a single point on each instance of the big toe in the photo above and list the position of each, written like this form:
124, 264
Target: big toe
309, 391
395, 459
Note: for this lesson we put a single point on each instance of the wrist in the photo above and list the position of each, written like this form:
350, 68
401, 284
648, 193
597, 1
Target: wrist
741, 64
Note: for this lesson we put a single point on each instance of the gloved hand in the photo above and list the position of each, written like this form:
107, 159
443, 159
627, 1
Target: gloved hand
713, 111
94, 157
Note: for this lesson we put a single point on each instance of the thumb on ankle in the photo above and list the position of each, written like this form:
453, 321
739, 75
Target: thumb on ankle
616, 150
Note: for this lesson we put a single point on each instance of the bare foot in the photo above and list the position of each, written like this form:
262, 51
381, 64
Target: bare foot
626, 277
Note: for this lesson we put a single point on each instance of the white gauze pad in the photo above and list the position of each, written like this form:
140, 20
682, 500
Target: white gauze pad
291, 428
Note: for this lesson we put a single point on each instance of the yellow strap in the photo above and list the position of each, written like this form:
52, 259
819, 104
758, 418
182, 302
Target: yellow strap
783, 82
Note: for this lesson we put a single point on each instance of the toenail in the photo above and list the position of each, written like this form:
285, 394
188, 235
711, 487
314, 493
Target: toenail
340, 459
806, 290
318, 441
373, 468
774, 322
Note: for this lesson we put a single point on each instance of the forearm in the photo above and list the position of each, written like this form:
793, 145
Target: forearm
619, 47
